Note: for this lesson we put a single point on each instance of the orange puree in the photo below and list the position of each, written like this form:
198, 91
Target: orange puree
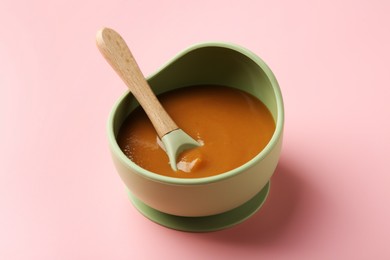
233, 126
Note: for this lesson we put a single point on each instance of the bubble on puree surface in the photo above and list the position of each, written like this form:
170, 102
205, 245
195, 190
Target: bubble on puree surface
232, 125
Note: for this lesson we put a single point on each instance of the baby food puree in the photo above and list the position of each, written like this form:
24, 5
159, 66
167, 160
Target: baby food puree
232, 125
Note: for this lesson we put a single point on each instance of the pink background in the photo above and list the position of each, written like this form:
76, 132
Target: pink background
60, 197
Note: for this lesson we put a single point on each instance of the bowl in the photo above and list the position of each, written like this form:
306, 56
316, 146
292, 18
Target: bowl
177, 199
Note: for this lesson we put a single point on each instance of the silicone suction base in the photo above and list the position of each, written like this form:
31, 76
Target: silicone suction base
207, 223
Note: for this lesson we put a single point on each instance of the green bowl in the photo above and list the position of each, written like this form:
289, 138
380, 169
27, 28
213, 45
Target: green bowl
206, 63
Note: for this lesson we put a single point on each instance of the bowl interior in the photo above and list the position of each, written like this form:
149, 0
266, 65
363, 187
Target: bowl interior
210, 63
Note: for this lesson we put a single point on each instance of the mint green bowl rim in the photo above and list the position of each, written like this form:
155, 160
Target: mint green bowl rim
204, 180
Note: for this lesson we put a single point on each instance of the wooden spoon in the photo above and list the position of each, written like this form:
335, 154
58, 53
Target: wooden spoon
115, 51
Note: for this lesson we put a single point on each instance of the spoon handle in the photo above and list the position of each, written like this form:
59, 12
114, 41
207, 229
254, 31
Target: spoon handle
117, 53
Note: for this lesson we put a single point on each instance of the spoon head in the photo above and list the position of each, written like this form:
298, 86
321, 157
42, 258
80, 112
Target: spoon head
176, 142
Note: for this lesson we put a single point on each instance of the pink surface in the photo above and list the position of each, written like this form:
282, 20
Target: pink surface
60, 195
